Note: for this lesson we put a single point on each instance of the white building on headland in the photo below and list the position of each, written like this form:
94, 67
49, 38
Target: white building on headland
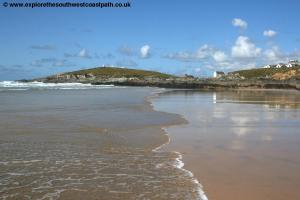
280, 65
267, 66
289, 65
218, 74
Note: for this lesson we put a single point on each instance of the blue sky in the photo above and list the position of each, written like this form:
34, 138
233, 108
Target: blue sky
174, 36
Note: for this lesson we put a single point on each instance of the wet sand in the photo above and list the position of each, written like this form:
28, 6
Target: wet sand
87, 144
241, 145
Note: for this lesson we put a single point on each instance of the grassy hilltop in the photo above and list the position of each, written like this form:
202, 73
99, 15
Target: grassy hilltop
114, 72
275, 73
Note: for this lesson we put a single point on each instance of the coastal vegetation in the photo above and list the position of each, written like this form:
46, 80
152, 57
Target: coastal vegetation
271, 73
280, 78
117, 72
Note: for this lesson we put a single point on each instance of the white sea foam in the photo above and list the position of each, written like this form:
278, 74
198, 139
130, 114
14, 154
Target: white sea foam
24, 161
15, 85
15, 174
179, 164
53, 195
3, 162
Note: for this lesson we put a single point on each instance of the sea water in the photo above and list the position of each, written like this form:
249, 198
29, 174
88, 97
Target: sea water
79, 141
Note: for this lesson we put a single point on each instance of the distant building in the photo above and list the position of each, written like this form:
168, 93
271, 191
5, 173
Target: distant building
289, 65
218, 74
294, 62
267, 66
279, 65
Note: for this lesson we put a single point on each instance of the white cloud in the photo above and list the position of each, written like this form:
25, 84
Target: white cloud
181, 56
51, 62
63, 63
269, 33
126, 63
273, 54
145, 51
125, 50
84, 54
198, 70
244, 55
231, 65
104, 56
42, 61
204, 52
237, 22
219, 56
43, 47
244, 48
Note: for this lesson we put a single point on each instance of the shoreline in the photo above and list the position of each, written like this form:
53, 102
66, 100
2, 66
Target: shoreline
179, 164
211, 84
205, 85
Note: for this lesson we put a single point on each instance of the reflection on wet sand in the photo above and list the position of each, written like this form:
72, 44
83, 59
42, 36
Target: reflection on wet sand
269, 98
239, 144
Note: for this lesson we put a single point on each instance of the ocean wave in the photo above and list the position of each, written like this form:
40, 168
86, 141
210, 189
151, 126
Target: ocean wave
15, 85
179, 164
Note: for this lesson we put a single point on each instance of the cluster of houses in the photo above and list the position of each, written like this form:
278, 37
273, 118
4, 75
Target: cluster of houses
291, 63
228, 76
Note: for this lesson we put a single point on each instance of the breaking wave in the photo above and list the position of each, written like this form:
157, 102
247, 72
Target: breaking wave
15, 85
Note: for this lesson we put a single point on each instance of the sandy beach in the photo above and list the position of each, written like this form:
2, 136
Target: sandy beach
74, 142
239, 144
